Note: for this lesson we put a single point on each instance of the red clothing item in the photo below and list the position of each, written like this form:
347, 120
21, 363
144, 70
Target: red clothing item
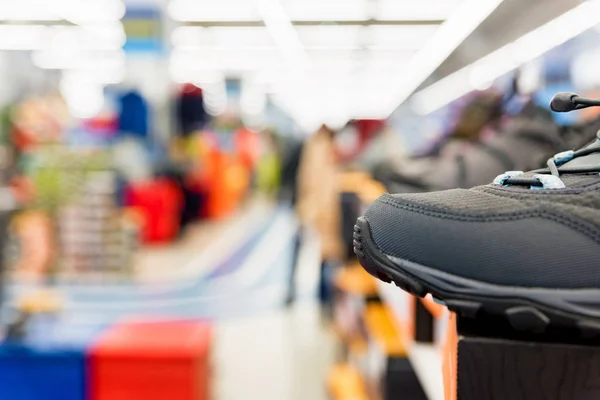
247, 146
160, 204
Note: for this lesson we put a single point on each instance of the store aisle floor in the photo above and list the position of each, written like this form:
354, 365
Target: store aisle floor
180, 259
284, 355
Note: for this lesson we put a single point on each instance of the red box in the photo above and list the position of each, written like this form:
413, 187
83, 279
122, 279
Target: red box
152, 360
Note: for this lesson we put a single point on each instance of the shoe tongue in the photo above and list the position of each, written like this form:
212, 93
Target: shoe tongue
589, 160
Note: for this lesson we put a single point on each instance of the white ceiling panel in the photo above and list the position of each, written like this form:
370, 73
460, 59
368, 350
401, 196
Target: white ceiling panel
401, 37
326, 10
328, 36
214, 10
414, 10
77, 11
227, 60
226, 37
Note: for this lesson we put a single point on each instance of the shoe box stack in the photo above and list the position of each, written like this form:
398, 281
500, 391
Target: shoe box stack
352, 289
373, 345
94, 241
77, 193
48, 361
373, 351
131, 360
152, 360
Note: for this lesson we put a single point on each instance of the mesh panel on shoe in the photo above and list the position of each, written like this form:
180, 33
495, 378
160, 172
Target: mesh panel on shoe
462, 200
586, 197
514, 250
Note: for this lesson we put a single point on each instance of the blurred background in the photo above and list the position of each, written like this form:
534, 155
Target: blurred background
179, 181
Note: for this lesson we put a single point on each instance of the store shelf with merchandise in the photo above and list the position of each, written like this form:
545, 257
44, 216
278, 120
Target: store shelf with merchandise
396, 355
425, 358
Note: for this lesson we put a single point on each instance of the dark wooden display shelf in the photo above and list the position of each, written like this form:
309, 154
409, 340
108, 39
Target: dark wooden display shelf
496, 362
424, 323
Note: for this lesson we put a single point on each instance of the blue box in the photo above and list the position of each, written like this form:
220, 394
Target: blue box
49, 363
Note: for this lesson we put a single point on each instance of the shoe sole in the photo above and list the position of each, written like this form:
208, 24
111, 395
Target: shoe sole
532, 310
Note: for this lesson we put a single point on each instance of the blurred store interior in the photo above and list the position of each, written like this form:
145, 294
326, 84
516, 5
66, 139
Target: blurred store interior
181, 179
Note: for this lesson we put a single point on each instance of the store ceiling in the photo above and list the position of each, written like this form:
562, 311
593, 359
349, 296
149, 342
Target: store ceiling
511, 20
322, 60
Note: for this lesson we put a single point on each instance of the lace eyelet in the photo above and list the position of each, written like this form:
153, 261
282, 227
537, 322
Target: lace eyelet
548, 182
500, 179
563, 157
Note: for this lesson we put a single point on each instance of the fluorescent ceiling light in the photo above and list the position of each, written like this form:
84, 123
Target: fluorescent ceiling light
88, 11
415, 10
26, 11
233, 37
226, 60
282, 32
65, 38
214, 96
305, 116
84, 98
101, 77
326, 10
325, 58
407, 37
412, 37
90, 61
213, 10
375, 63
329, 35
78, 11
341, 96
74, 38
509, 57
461, 23
22, 37
399, 57
181, 74
253, 99
184, 36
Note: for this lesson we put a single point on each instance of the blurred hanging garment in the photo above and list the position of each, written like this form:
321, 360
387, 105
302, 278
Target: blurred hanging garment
290, 167
133, 119
522, 142
466, 120
159, 203
247, 146
318, 203
191, 115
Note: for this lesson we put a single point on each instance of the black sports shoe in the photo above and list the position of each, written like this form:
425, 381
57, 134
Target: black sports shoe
526, 247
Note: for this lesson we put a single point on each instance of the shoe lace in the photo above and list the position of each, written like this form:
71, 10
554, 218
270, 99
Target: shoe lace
550, 178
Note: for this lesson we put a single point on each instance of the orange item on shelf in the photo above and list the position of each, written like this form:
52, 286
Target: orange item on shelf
152, 360
345, 383
36, 233
40, 301
437, 310
159, 203
450, 360
382, 328
228, 181
354, 279
247, 146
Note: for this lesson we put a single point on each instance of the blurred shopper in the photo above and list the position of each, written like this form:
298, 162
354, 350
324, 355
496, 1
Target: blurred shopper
135, 114
190, 113
318, 200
